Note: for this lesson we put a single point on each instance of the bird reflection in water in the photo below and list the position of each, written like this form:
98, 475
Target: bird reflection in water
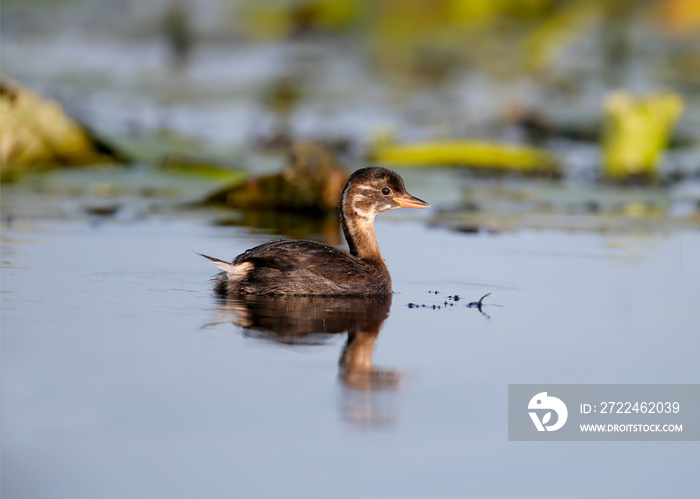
365, 395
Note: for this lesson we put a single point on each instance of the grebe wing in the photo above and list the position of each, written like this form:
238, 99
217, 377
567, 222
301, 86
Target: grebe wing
311, 255
309, 267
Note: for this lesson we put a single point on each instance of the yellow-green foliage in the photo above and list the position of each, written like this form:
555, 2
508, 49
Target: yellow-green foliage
636, 132
38, 132
472, 153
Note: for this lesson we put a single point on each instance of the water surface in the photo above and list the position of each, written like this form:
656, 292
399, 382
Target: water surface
124, 376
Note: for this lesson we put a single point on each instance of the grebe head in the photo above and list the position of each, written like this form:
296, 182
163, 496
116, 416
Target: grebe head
373, 190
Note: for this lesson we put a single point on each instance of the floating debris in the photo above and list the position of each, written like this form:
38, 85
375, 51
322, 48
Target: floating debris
450, 302
477, 304
102, 210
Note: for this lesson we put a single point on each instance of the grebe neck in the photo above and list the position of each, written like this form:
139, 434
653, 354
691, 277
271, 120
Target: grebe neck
358, 226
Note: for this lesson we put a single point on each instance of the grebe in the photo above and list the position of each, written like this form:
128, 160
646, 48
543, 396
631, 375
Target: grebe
295, 267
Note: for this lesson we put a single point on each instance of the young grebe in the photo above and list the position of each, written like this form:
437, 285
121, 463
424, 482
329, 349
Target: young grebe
293, 267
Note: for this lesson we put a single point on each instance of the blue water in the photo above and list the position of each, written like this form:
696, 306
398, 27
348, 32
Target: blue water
122, 376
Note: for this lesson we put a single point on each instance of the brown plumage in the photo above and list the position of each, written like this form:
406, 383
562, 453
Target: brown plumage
295, 267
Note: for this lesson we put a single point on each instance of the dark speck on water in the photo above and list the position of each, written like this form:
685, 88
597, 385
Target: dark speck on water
448, 302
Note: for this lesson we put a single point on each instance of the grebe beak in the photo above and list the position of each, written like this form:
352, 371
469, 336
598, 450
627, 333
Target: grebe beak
408, 201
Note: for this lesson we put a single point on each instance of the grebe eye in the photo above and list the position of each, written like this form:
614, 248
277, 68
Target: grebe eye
386, 191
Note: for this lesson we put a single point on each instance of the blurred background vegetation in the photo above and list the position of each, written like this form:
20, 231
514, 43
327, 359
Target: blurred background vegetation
589, 90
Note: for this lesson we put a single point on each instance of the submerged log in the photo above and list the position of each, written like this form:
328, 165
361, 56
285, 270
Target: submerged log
37, 132
311, 183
